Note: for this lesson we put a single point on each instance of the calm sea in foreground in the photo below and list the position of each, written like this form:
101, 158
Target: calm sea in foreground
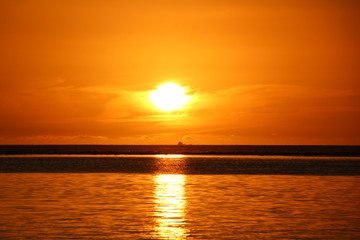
179, 196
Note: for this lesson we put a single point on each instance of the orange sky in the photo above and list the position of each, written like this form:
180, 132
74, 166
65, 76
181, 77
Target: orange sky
259, 72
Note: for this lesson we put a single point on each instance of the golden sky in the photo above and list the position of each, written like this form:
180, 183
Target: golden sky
258, 72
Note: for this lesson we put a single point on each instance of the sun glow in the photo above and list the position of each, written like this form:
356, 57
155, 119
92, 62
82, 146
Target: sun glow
169, 97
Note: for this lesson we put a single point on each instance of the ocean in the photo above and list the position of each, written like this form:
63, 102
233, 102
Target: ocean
179, 192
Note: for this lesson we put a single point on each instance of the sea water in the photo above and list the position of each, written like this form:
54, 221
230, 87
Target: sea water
168, 197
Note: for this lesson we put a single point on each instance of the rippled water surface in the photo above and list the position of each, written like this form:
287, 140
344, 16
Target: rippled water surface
166, 206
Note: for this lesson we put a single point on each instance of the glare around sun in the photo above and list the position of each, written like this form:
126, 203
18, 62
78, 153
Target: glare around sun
169, 97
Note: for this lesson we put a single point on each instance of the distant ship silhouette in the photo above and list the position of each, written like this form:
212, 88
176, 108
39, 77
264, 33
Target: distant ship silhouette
181, 144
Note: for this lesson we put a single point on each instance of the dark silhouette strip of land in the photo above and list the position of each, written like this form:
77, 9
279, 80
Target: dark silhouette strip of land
270, 150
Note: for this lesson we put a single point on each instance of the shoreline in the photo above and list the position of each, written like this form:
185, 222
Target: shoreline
117, 154
237, 150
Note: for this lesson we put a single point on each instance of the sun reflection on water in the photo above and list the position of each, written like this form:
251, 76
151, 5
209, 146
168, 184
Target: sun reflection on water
169, 155
170, 164
170, 203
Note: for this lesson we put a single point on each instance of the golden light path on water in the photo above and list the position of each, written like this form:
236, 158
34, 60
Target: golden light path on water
170, 203
169, 155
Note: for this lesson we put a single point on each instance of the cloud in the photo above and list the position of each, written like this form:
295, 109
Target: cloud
54, 103
66, 138
277, 111
258, 99
106, 114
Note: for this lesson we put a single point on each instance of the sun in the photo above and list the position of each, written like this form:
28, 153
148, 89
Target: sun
169, 97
